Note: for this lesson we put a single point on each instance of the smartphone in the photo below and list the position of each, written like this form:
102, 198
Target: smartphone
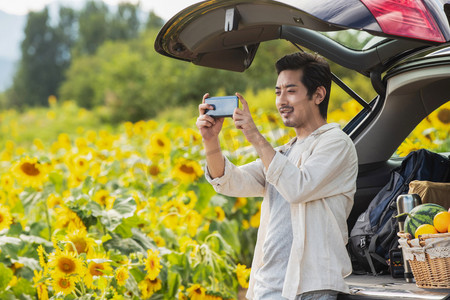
223, 106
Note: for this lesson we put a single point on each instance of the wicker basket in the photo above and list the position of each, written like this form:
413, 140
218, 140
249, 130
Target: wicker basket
429, 258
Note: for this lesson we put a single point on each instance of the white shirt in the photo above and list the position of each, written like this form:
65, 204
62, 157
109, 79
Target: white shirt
320, 191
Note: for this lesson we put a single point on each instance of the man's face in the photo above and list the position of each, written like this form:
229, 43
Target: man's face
295, 107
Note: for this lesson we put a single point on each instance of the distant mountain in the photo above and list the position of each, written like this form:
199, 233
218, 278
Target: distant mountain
7, 71
11, 35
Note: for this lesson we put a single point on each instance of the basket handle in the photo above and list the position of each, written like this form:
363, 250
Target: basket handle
429, 236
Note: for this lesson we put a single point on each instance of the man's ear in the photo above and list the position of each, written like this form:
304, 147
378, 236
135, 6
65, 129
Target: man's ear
319, 95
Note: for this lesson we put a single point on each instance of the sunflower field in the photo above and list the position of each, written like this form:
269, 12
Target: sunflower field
125, 213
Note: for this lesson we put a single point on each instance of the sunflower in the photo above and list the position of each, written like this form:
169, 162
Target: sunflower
196, 292
152, 264
187, 243
220, 214
54, 200
240, 202
40, 285
65, 263
104, 198
255, 219
29, 172
122, 275
42, 257
407, 146
80, 164
149, 286
193, 222
79, 241
64, 284
186, 170
242, 274
7, 182
171, 211
98, 266
66, 218
5, 217
159, 144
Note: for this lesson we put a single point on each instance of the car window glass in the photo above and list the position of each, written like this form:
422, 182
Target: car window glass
432, 133
355, 39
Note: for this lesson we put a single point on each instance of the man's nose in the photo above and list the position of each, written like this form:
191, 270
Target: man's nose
282, 99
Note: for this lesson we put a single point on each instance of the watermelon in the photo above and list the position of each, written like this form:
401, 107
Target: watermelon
421, 214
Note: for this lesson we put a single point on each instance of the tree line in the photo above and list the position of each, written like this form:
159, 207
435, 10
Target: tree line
99, 57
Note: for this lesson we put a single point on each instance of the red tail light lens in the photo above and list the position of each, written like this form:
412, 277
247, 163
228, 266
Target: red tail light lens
408, 18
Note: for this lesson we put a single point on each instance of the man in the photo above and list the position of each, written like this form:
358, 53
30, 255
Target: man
307, 185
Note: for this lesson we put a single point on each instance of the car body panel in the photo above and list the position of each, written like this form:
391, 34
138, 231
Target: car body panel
226, 34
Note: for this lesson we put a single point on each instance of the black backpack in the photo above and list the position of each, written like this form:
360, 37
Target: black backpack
375, 232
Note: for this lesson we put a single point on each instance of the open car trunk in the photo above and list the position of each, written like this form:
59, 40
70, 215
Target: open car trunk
226, 35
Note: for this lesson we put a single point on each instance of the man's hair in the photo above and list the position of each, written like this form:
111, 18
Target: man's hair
316, 72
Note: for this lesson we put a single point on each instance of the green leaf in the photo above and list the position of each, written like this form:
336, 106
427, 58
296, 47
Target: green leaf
35, 240
30, 199
22, 288
229, 230
5, 240
132, 284
58, 181
173, 282
206, 191
125, 206
28, 262
5, 276
125, 228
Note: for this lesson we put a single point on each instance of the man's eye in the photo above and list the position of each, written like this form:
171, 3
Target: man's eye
278, 93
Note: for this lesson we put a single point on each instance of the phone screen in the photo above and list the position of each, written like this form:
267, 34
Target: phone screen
223, 106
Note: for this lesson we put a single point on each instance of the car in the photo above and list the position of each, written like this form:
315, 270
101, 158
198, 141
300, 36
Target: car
407, 61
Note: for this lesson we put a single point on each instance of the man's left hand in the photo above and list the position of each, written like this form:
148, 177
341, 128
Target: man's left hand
243, 120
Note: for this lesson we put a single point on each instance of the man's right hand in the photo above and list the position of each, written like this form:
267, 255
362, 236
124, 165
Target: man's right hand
208, 126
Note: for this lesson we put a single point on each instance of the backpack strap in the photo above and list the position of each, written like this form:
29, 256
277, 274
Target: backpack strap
369, 259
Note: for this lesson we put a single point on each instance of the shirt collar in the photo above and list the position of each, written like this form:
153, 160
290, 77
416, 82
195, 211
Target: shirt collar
317, 132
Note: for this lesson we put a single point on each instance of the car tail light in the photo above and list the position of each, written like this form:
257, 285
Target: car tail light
407, 18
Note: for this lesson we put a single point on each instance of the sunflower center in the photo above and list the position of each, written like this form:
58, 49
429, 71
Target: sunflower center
1, 218
66, 265
80, 245
444, 116
160, 143
64, 283
187, 169
96, 269
198, 291
153, 170
29, 169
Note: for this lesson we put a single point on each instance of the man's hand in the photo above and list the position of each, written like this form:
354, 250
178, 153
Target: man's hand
208, 126
243, 120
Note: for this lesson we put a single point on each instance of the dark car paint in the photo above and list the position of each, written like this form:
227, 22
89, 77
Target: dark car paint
198, 34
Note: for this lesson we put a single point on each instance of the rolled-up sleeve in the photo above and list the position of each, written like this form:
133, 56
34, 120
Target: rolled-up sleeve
244, 181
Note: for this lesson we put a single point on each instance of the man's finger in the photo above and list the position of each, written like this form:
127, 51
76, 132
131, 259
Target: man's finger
243, 101
205, 96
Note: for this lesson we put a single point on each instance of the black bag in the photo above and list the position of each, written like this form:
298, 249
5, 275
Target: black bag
375, 232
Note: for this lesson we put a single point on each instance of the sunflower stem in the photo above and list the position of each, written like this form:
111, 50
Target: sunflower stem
49, 226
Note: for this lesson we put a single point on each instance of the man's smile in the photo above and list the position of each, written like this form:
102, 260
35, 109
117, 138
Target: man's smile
285, 110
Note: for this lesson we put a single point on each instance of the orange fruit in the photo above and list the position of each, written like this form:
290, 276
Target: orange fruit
441, 221
425, 229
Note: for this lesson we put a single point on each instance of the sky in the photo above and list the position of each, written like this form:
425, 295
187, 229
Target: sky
163, 8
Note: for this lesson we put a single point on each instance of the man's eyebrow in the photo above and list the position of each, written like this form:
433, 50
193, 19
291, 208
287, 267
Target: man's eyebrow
287, 86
